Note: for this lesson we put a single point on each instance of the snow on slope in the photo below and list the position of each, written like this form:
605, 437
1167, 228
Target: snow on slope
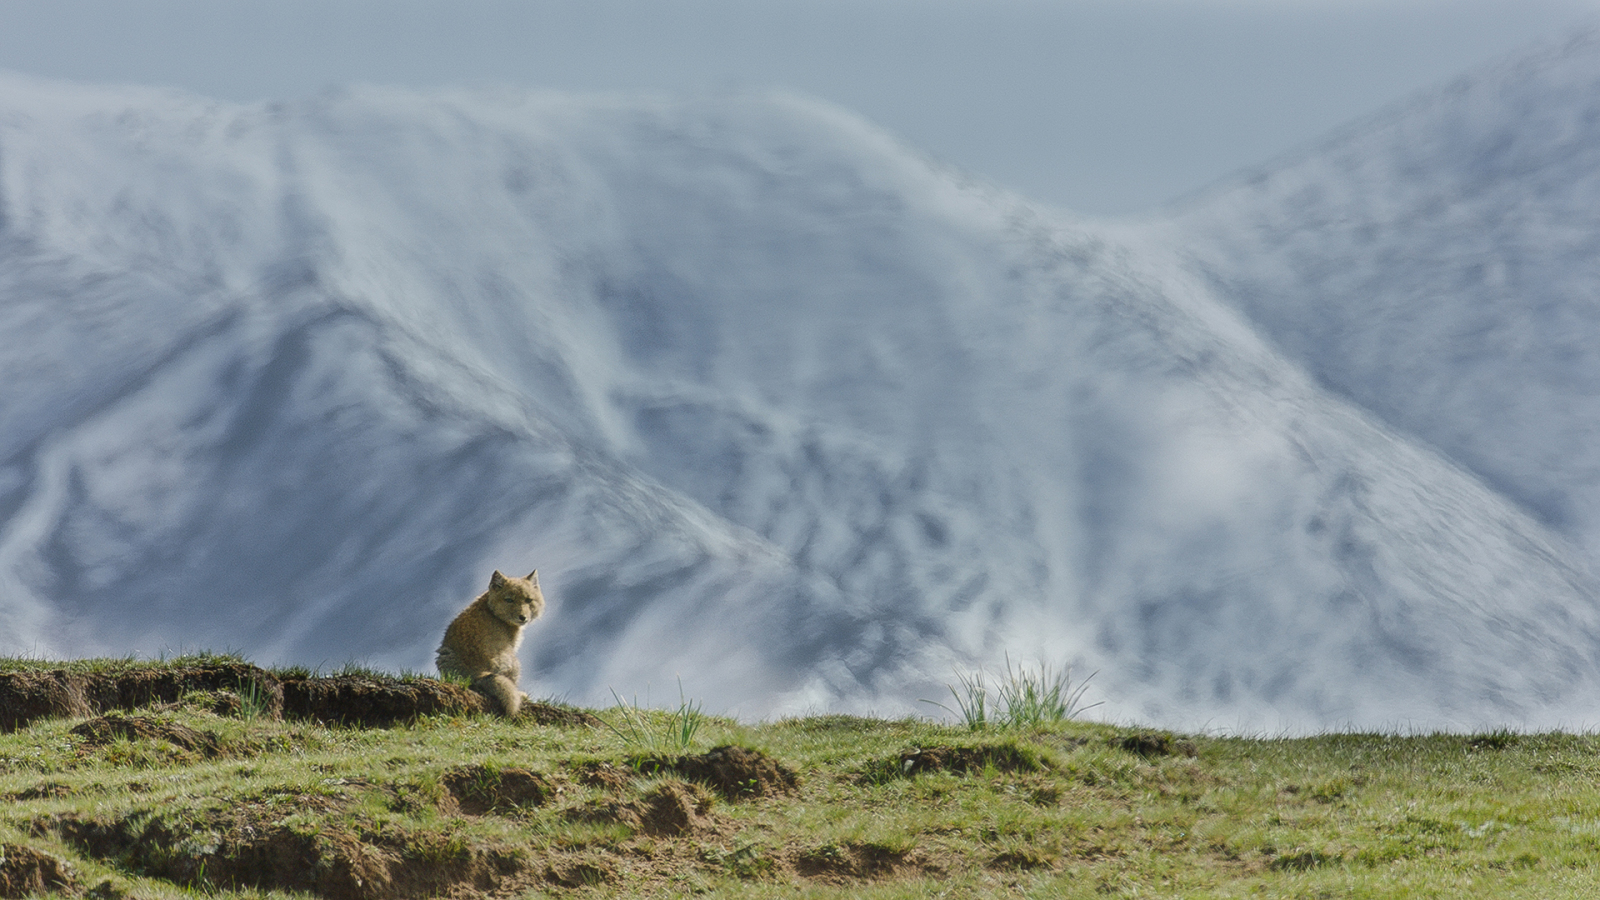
773, 404
1440, 265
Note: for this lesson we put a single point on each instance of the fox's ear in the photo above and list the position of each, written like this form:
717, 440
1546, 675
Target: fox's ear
497, 580
534, 576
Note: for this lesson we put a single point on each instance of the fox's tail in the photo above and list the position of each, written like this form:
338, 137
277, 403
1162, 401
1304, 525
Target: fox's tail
501, 690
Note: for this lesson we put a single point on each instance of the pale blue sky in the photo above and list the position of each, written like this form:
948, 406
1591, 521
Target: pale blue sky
1099, 106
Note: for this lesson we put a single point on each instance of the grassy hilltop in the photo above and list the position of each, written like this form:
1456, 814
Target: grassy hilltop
207, 776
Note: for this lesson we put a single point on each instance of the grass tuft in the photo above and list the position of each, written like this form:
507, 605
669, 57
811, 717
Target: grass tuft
972, 701
1024, 698
650, 732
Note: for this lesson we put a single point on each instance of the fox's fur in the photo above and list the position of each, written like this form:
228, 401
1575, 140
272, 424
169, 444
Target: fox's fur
481, 644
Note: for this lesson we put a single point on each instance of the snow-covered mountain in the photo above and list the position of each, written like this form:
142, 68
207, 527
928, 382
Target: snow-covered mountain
1439, 264
775, 406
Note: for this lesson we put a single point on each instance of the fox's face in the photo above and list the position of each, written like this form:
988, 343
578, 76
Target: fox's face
516, 601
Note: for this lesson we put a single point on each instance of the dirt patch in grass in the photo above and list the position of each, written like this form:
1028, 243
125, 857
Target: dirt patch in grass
960, 760
671, 808
137, 688
734, 772
103, 730
601, 774
581, 873
26, 697
251, 845
241, 689
30, 695
26, 872
480, 790
362, 701
853, 861
562, 716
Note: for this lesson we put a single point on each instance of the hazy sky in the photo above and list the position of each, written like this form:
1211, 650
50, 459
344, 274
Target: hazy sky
1099, 106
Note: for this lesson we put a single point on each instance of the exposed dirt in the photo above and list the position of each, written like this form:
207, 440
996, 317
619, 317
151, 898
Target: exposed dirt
1003, 757
137, 688
333, 845
565, 716
602, 774
734, 772
26, 872
479, 790
250, 846
26, 697
669, 809
583, 872
674, 807
854, 861
325, 844
240, 689
102, 730
366, 702
1150, 744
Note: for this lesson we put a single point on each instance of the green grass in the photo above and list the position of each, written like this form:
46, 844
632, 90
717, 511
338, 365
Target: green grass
650, 732
114, 665
1059, 809
1023, 698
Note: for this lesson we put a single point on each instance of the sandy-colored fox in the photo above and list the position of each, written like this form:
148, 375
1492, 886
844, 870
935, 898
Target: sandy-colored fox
481, 644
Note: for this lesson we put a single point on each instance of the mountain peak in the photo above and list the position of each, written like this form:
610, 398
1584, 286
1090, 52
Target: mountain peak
772, 403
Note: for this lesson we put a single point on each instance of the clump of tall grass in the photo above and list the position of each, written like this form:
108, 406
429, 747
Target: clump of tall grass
648, 731
1023, 698
254, 703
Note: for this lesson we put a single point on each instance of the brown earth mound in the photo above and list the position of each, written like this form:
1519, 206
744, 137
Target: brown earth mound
26, 872
732, 771
140, 687
243, 689
671, 808
105, 729
27, 696
674, 807
367, 702
601, 774
1002, 757
581, 873
853, 861
564, 716
480, 790
249, 847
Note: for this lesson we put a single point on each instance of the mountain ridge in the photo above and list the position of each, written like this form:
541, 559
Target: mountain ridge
1451, 304
776, 406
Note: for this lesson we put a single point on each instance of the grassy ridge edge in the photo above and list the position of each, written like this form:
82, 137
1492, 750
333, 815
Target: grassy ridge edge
469, 804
